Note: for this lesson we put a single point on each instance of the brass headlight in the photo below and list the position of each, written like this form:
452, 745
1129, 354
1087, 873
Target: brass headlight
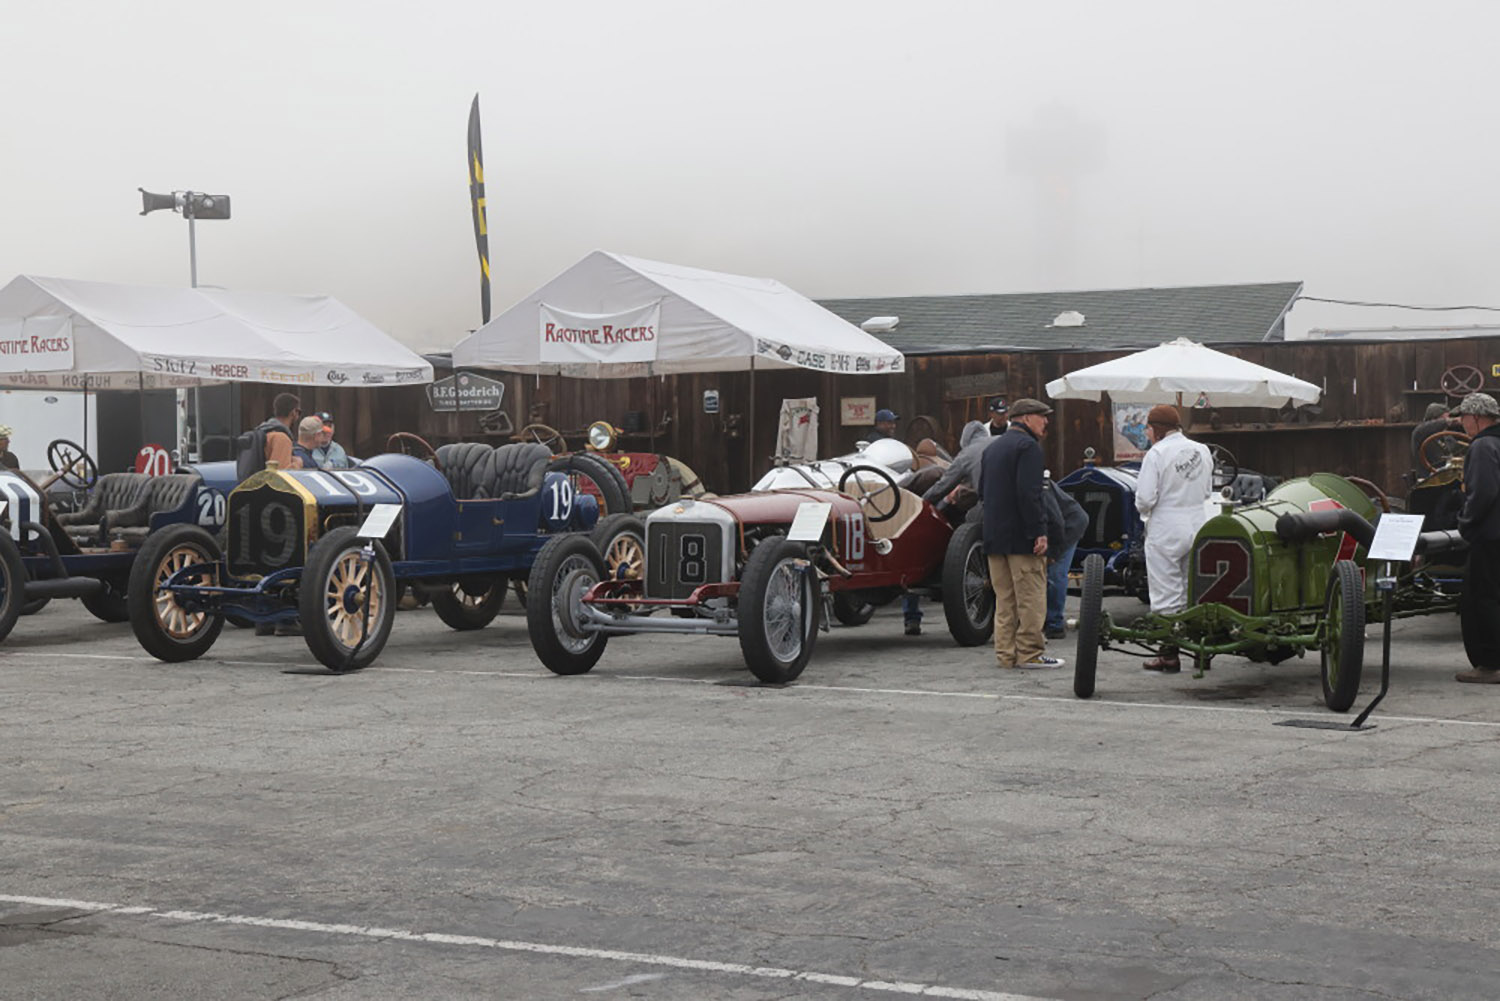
602, 436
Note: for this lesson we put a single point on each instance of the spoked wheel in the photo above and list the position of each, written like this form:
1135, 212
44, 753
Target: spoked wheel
166, 629
1226, 467
779, 608
12, 585
544, 434
469, 603
882, 503
1438, 449
71, 464
851, 610
415, 446
347, 602
1090, 612
1343, 636
564, 571
968, 600
621, 541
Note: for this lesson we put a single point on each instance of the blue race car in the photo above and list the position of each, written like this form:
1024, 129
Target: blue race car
469, 518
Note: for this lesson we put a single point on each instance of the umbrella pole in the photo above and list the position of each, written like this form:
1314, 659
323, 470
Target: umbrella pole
750, 434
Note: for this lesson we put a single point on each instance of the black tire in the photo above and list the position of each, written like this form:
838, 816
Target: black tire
108, 605
470, 603
12, 584
336, 587
35, 605
968, 599
551, 613
621, 541
608, 483
775, 653
852, 610
1090, 616
165, 629
1344, 636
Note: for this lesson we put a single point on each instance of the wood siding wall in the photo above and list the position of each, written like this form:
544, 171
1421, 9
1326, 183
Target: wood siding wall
1374, 393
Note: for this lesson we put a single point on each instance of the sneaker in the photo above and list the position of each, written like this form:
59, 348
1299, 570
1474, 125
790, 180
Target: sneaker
1055, 633
1480, 676
914, 628
1041, 663
1164, 665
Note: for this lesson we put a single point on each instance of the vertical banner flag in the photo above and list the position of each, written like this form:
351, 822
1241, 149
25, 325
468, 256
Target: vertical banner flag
476, 202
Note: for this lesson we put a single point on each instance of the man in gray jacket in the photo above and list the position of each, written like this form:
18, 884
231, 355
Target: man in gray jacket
963, 471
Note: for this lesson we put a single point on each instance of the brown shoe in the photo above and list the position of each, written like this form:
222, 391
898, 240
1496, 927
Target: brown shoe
1480, 676
1166, 665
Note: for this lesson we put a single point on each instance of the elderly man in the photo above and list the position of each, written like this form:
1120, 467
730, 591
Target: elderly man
1479, 524
1175, 481
7, 457
1015, 536
329, 454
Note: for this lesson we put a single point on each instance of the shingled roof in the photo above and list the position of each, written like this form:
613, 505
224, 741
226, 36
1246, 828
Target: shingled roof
1113, 318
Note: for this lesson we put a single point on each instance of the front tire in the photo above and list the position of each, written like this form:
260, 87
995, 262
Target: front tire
778, 610
464, 604
346, 605
12, 585
598, 476
621, 541
968, 599
565, 569
1344, 636
1090, 612
165, 629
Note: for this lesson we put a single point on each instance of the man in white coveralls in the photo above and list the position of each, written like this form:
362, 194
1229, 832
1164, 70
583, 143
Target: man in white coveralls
1175, 481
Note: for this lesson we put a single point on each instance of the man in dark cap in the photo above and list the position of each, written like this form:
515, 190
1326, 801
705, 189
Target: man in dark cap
885, 425
1479, 524
1015, 536
1175, 481
998, 423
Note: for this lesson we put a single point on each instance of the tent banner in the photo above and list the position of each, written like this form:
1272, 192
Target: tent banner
36, 343
824, 360
594, 338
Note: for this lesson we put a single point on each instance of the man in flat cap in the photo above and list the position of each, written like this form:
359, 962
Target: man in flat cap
7, 457
1015, 536
1479, 524
1175, 480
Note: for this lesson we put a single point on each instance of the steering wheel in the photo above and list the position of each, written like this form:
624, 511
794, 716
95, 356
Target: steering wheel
65, 458
544, 434
866, 496
1448, 445
1226, 467
1372, 490
413, 445
1461, 380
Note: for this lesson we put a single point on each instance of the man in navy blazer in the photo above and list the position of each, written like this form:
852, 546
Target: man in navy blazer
1015, 536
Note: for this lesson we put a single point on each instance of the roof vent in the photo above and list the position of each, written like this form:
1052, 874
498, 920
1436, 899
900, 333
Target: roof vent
1067, 318
880, 324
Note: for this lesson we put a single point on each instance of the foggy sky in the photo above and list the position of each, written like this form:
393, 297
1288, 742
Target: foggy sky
844, 147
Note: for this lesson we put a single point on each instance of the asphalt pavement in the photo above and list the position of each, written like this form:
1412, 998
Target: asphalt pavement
905, 820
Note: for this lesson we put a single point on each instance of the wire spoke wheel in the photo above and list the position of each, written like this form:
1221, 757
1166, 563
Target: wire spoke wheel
176, 621
782, 613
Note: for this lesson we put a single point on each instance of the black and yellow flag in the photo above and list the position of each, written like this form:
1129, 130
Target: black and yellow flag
476, 201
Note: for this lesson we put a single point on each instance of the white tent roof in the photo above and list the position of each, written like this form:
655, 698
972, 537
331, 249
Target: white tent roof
71, 334
681, 320
1181, 371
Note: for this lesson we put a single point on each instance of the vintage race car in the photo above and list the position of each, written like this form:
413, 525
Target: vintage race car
726, 566
467, 521
88, 553
1275, 579
645, 480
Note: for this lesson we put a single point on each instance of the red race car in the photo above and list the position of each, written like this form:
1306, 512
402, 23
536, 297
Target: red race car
764, 566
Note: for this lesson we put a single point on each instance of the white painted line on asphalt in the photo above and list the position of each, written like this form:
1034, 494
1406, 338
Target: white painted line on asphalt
805, 686
579, 952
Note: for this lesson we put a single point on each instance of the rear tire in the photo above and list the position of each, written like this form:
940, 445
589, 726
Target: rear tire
1344, 638
851, 610
1090, 612
165, 629
552, 613
12, 585
596, 476
779, 608
109, 605
331, 602
968, 599
463, 606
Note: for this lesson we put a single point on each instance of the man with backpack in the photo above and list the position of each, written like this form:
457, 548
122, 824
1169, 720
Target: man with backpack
271, 439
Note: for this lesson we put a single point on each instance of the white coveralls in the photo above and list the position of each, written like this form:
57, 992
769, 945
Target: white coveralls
1175, 480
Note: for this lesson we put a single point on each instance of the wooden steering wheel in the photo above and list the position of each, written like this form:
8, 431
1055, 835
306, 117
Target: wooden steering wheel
71, 464
1373, 491
861, 492
544, 434
415, 446
1447, 440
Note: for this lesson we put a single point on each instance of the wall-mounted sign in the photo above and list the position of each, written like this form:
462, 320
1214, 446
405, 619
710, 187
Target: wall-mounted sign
710, 401
857, 411
465, 391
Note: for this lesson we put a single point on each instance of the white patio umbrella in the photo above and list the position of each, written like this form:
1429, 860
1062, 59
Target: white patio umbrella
1185, 373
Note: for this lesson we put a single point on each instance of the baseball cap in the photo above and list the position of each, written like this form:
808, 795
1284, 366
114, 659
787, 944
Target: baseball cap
326, 418
1479, 405
997, 405
884, 415
1025, 406
6, 430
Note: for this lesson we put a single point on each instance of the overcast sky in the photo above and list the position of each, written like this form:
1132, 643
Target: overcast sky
844, 147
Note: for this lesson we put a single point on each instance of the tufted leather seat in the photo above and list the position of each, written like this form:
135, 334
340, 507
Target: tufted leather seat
519, 470
165, 493
469, 467
115, 497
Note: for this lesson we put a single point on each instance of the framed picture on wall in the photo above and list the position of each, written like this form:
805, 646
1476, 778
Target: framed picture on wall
1130, 431
857, 410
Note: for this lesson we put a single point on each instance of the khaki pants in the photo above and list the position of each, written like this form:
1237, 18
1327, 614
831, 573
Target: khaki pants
1020, 583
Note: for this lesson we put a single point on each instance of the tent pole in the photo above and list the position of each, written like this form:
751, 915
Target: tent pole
750, 434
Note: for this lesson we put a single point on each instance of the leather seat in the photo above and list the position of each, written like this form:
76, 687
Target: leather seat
165, 493
469, 467
118, 498
519, 470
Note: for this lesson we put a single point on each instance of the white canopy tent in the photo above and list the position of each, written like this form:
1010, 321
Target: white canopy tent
613, 317
67, 334
1185, 373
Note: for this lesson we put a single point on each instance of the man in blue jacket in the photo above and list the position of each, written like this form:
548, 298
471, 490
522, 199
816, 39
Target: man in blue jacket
1015, 536
1479, 524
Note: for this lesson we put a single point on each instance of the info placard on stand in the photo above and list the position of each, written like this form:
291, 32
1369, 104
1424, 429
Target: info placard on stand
379, 521
1396, 537
811, 519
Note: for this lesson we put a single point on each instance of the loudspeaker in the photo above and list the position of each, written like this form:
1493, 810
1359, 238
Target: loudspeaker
151, 201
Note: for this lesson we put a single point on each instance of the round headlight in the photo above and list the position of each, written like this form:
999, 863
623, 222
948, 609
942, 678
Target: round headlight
602, 436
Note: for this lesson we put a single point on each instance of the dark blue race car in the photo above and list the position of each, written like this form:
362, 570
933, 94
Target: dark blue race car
470, 517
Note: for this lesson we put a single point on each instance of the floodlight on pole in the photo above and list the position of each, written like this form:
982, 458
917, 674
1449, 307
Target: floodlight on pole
192, 205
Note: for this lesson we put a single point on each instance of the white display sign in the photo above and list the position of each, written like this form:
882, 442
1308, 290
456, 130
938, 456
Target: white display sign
1396, 537
595, 338
811, 519
379, 521
36, 344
